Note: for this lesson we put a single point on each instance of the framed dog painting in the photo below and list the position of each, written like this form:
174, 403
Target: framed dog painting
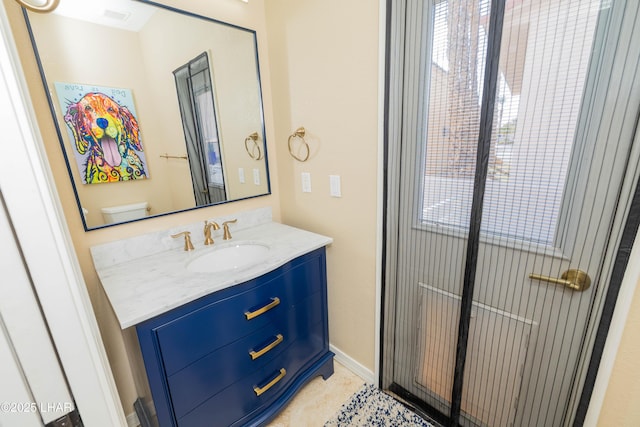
104, 130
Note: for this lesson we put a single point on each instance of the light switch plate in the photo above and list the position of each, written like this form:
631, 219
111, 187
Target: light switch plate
241, 175
306, 182
256, 176
334, 185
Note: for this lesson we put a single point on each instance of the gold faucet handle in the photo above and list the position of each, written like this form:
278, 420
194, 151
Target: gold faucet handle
188, 246
227, 233
208, 240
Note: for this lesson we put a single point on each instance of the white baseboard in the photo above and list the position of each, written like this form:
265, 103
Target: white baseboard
354, 366
132, 420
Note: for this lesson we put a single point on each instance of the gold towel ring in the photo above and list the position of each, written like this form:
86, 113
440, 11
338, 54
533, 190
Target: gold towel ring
299, 133
254, 152
49, 6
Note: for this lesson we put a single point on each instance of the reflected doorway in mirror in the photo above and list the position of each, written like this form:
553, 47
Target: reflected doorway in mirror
200, 125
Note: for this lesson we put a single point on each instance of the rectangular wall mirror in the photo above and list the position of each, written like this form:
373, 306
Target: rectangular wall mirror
157, 110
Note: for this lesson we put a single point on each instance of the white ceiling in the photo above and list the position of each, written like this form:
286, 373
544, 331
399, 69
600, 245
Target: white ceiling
122, 14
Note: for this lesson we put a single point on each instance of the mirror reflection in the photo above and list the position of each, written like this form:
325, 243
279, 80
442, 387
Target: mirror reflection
153, 106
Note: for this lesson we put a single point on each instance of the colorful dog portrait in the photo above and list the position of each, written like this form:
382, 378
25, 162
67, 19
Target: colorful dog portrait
105, 132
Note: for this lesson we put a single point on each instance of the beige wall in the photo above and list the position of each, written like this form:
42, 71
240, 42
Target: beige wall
324, 68
321, 66
621, 406
130, 382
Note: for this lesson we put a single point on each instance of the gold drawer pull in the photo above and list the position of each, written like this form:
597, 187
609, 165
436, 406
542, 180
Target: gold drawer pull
576, 280
273, 382
255, 354
251, 314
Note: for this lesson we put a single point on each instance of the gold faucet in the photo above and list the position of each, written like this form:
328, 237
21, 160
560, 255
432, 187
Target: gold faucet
207, 231
225, 225
188, 246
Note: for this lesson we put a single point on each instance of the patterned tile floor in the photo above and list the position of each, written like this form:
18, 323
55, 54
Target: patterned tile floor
319, 400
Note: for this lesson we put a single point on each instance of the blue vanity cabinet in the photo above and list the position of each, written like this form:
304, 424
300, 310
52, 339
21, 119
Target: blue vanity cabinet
237, 356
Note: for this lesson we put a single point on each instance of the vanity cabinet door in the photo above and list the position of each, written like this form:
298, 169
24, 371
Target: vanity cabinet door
198, 356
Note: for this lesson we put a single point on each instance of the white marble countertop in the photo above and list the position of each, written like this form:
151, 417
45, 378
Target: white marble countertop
147, 286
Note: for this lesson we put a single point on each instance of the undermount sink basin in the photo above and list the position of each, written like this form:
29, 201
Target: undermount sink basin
229, 257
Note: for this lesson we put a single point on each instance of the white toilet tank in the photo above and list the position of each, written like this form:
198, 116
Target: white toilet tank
115, 214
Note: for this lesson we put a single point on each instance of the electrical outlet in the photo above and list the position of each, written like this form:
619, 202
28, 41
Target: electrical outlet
256, 176
241, 175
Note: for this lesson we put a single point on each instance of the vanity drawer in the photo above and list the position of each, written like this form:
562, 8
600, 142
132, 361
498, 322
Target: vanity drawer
192, 336
235, 404
196, 355
206, 377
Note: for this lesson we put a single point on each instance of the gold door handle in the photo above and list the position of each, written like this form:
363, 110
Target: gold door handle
576, 280
251, 314
273, 382
255, 354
